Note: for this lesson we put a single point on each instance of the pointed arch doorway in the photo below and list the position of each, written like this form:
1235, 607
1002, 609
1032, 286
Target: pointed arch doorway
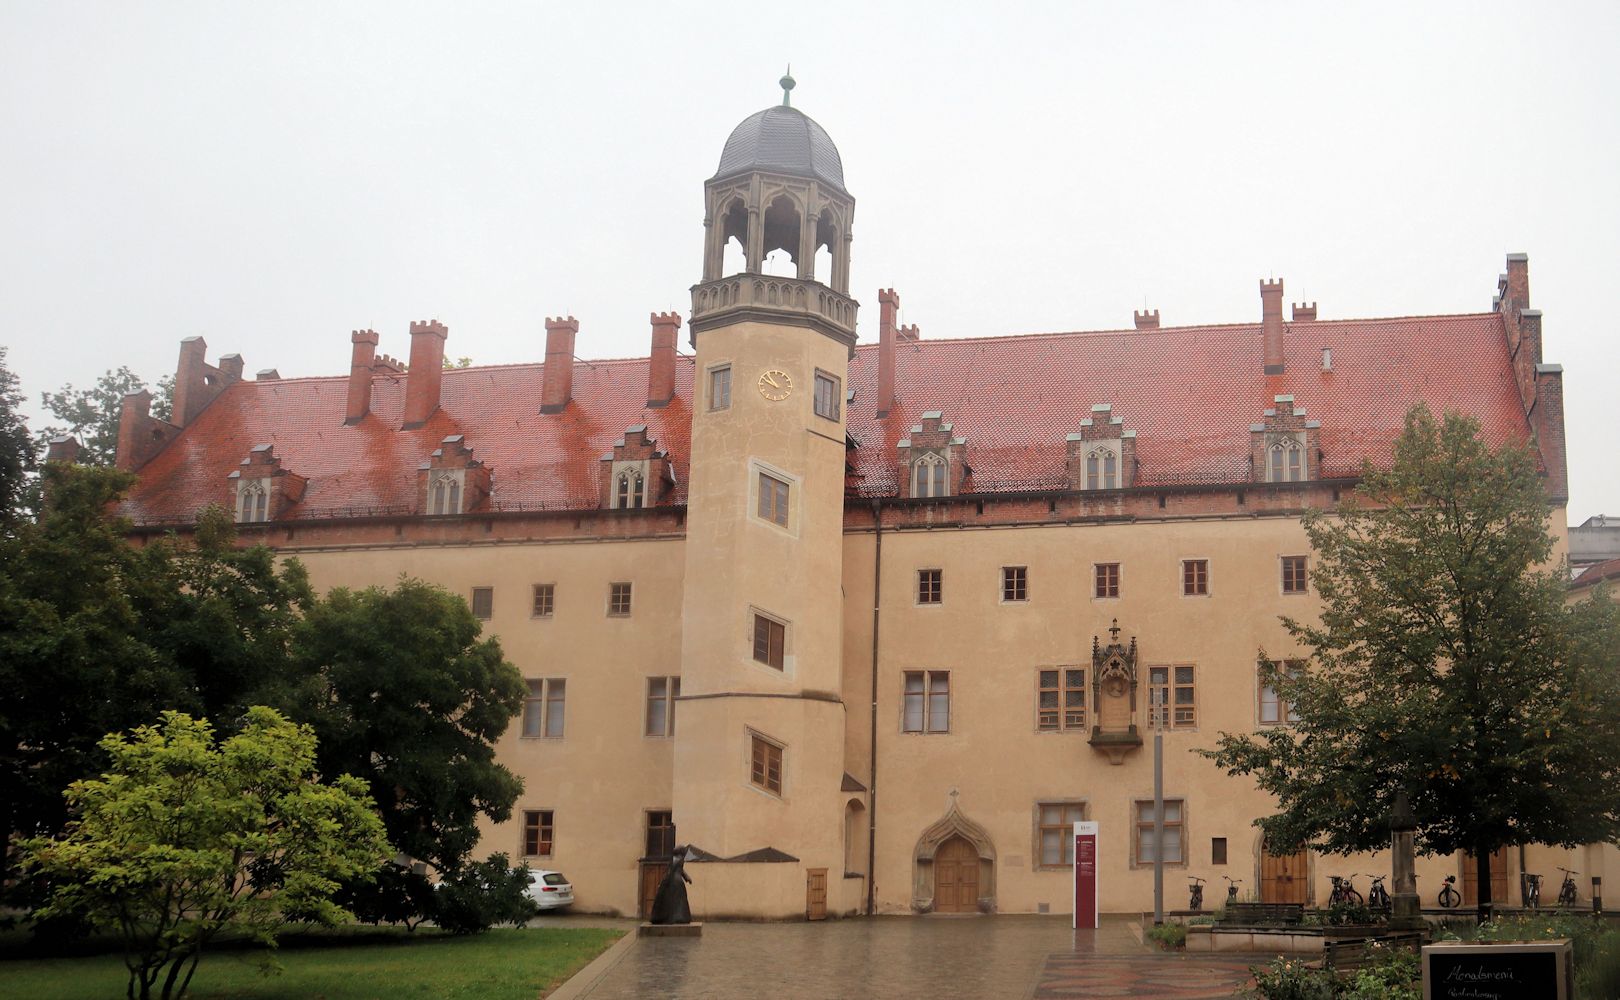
956, 877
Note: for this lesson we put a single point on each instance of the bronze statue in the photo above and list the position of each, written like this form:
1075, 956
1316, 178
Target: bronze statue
670, 905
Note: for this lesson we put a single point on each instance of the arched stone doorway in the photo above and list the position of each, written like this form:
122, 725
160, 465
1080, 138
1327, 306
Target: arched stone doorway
1282, 878
954, 866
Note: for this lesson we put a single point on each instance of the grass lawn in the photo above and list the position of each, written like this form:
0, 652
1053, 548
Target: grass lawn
363, 964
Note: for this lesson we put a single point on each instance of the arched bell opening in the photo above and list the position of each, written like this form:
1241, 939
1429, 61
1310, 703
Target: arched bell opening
781, 247
734, 239
826, 240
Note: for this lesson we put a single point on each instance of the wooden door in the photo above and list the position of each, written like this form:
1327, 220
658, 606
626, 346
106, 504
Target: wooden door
956, 877
1499, 880
1284, 878
652, 873
815, 894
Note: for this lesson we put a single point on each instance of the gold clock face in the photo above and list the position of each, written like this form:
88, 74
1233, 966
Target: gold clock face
775, 385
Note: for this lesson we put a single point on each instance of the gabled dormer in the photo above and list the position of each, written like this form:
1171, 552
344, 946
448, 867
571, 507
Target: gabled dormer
1285, 448
933, 460
1103, 455
263, 490
451, 481
635, 473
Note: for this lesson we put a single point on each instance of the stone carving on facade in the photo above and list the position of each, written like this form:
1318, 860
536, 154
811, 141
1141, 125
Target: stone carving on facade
1113, 696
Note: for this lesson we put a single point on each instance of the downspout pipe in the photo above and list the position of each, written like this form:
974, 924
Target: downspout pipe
871, 774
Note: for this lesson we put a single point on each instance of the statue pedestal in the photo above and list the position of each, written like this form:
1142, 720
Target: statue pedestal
1406, 912
694, 929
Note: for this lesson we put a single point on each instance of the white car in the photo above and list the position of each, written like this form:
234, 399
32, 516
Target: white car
550, 890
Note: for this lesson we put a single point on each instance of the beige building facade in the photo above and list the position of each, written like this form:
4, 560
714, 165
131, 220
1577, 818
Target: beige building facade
867, 626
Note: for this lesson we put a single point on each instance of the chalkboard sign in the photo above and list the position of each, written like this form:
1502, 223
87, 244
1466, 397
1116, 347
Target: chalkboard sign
1519, 970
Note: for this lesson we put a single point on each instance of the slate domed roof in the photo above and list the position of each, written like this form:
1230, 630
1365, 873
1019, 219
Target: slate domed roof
783, 139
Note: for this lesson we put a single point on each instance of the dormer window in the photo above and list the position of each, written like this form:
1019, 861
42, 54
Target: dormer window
445, 495
1102, 469
252, 502
1287, 463
631, 491
929, 476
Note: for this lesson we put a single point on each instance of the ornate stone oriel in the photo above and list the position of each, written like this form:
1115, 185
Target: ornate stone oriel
1113, 696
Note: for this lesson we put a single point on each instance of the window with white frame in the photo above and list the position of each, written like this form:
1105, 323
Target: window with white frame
252, 502
629, 491
1275, 709
444, 495
927, 702
930, 476
1174, 846
543, 707
1286, 461
1102, 469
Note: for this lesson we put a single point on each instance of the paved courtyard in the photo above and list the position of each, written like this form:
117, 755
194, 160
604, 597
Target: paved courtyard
943, 957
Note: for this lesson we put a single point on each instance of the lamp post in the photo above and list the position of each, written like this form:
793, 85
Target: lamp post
1158, 813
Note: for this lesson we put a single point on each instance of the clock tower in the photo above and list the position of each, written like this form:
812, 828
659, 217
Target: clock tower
759, 747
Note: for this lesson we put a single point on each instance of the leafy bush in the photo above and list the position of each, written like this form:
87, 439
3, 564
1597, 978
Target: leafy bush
1340, 914
1389, 974
1169, 937
483, 894
1291, 979
395, 895
1599, 977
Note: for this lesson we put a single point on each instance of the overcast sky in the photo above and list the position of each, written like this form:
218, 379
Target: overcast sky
274, 175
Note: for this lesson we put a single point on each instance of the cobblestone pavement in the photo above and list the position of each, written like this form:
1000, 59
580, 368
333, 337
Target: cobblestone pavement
1018, 957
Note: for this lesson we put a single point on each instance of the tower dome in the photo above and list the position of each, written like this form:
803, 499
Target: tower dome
782, 139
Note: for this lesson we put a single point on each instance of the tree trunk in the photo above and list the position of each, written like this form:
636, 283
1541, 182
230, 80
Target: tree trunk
1482, 875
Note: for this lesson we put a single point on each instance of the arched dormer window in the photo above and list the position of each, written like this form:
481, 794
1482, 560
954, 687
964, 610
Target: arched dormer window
1102, 469
446, 495
631, 490
929, 476
252, 503
1287, 462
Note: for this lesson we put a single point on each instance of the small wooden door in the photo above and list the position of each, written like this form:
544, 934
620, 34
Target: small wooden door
1284, 878
815, 894
652, 873
956, 877
1499, 880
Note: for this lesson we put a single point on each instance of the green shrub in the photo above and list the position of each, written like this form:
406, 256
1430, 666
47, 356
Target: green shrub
1389, 974
1169, 937
483, 894
395, 895
1599, 977
1290, 979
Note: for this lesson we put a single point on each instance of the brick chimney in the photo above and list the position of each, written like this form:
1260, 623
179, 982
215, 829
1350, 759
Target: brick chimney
365, 352
888, 309
231, 366
1304, 312
63, 449
661, 365
558, 386
141, 435
1515, 284
426, 372
1271, 320
1147, 320
196, 382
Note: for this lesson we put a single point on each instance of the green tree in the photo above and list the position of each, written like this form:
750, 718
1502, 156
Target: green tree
16, 450
403, 693
1445, 663
98, 636
75, 657
91, 415
184, 838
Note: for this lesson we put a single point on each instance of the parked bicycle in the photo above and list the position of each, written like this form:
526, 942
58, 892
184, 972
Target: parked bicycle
1231, 888
1530, 890
1195, 893
1377, 896
1566, 892
1344, 894
1449, 896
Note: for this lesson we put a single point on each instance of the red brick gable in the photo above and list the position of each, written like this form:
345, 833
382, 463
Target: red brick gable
1190, 394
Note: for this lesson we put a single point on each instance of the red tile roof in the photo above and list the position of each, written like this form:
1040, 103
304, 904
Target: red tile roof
1190, 393
1596, 573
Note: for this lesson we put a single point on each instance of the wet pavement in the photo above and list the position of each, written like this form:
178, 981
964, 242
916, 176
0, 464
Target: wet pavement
1019, 957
